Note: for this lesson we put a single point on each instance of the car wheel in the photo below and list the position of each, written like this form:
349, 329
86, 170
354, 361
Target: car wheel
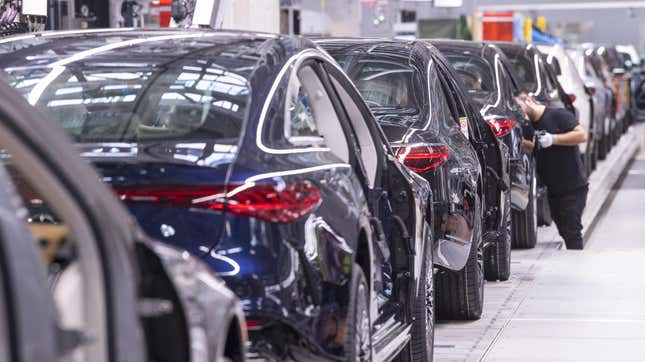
460, 294
422, 343
602, 147
358, 320
497, 257
525, 221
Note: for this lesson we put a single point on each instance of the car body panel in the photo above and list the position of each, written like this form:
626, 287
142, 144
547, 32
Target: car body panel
456, 183
295, 273
119, 237
572, 83
501, 105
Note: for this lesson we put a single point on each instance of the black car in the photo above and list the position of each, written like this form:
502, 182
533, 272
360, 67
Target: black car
427, 118
254, 152
535, 76
621, 80
490, 81
541, 82
80, 280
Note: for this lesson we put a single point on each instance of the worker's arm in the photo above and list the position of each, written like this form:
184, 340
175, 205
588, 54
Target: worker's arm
574, 137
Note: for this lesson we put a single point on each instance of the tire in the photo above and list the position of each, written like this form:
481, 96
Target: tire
525, 221
460, 294
422, 342
497, 257
358, 347
602, 147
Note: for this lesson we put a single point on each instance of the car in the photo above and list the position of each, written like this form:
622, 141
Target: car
535, 76
603, 70
80, 278
601, 95
620, 81
420, 105
573, 85
633, 64
491, 83
255, 153
540, 81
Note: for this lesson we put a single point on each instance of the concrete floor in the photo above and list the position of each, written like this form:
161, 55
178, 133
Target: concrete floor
565, 305
588, 305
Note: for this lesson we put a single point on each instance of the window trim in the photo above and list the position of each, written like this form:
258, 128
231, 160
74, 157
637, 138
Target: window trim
377, 138
96, 316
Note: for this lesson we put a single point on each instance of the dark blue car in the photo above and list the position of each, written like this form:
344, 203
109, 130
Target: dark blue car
256, 153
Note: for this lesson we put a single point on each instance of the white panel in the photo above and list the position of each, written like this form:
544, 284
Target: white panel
205, 12
34, 7
448, 3
250, 15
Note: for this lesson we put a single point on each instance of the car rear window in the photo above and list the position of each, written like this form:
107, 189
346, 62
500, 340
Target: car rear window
387, 86
524, 68
191, 100
475, 73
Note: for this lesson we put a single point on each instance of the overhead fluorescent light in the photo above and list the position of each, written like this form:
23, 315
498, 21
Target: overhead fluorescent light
448, 3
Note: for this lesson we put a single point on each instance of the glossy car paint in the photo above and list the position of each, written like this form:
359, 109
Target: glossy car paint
123, 246
601, 96
543, 84
458, 182
573, 84
621, 79
292, 277
503, 105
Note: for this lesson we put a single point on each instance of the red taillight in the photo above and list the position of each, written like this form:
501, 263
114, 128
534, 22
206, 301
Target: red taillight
253, 325
268, 202
422, 158
572, 97
501, 125
592, 90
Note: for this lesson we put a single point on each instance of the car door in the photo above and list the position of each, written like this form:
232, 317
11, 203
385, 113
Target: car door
487, 149
90, 282
397, 207
27, 318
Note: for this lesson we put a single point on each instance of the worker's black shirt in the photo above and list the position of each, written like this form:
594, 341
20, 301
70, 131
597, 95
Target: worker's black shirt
559, 167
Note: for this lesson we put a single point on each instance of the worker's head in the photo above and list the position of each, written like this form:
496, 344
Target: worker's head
532, 108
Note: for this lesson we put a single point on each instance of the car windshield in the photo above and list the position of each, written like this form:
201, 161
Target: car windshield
476, 75
387, 86
187, 98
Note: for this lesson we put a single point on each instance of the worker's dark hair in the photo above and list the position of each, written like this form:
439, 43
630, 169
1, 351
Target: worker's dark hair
519, 92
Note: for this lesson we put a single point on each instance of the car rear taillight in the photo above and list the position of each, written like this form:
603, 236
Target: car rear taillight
422, 158
253, 325
501, 125
281, 203
572, 98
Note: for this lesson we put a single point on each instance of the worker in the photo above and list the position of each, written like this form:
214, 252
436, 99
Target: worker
559, 165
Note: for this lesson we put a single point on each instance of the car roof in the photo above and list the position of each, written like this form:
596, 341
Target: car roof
149, 48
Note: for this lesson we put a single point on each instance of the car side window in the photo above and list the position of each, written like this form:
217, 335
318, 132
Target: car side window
548, 83
439, 102
368, 148
457, 108
310, 117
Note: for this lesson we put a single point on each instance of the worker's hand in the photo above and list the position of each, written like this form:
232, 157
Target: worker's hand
546, 140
